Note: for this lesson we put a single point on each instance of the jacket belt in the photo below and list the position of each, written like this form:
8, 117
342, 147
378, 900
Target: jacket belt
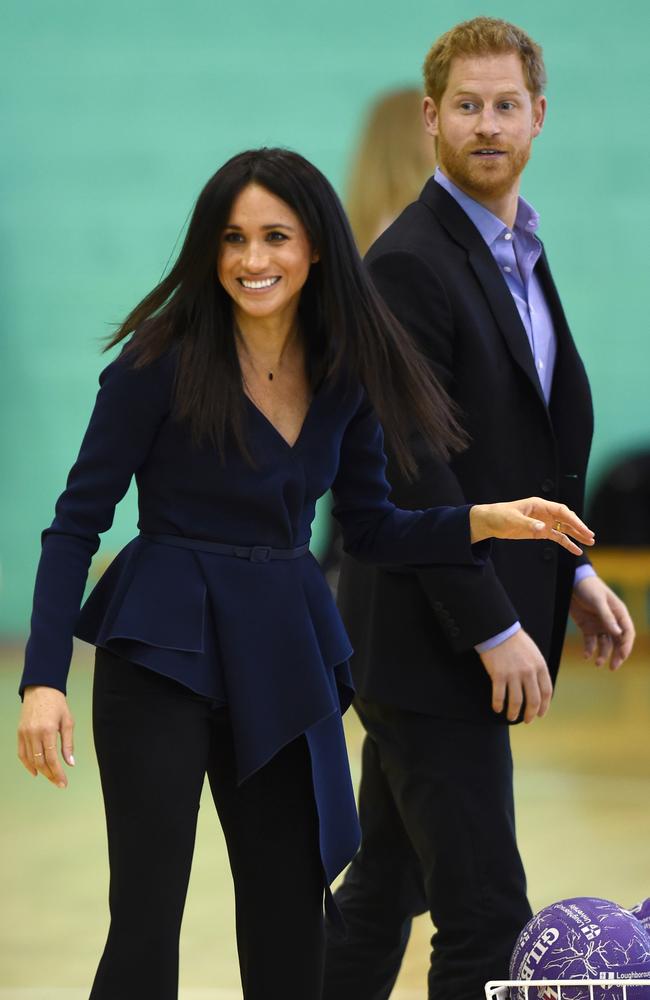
254, 553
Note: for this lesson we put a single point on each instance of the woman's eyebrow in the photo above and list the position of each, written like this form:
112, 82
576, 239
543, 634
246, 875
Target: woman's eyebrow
271, 225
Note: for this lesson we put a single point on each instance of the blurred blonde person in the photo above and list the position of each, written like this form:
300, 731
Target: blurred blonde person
394, 158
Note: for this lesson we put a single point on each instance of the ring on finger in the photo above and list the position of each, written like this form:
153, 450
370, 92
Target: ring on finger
558, 526
38, 754
53, 747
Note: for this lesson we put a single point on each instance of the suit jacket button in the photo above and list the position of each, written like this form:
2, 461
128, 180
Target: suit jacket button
548, 486
454, 632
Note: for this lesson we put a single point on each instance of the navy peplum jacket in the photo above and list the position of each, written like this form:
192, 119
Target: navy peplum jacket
265, 638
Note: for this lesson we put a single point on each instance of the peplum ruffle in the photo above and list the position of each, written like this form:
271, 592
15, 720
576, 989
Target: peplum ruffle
265, 638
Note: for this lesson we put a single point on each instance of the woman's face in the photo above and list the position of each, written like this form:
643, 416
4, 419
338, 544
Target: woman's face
264, 257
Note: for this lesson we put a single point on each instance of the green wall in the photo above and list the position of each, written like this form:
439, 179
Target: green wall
114, 115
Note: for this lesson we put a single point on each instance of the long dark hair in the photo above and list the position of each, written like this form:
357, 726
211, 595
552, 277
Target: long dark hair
348, 330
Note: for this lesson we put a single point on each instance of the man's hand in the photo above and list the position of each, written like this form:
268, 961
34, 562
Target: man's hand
604, 621
518, 671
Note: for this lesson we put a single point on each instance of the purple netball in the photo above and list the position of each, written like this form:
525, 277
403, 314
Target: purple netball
583, 938
642, 913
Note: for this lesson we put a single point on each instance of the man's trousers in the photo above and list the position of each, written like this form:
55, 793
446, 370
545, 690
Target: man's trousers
438, 834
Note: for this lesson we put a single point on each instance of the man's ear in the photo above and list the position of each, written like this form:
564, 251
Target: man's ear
539, 114
431, 120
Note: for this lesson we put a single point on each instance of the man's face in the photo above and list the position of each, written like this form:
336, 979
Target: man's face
485, 123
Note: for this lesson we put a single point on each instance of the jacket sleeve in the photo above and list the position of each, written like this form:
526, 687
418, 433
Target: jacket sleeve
130, 407
374, 529
471, 596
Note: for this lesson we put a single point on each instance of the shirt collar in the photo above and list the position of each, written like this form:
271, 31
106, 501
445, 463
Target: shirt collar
488, 225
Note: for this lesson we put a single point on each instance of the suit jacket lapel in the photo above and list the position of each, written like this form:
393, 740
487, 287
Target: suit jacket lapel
560, 324
505, 313
463, 231
570, 393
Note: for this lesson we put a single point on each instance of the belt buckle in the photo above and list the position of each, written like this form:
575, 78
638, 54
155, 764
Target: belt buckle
260, 553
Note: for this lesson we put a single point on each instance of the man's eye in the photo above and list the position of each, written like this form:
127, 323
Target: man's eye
506, 105
467, 106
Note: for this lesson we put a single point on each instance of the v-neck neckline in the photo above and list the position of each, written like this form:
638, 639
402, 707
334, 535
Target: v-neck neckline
290, 447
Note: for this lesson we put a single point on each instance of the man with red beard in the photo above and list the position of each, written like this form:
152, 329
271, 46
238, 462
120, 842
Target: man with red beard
445, 657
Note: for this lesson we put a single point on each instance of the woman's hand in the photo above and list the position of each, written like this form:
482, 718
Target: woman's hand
44, 715
531, 518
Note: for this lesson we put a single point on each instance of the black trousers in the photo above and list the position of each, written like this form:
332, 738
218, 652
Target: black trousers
156, 740
438, 834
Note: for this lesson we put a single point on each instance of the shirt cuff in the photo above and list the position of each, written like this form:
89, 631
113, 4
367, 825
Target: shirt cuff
582, 572
497, 639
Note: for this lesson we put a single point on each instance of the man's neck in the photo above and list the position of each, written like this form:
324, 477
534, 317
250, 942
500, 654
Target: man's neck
504, 206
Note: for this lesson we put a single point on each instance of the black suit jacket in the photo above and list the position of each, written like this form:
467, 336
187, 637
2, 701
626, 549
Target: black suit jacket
414, 630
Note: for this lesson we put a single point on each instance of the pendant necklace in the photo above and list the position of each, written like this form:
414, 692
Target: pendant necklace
270, 374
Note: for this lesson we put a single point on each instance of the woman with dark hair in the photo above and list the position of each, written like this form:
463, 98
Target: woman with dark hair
250, 385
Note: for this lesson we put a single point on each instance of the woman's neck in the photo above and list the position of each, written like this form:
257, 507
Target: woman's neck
268, 342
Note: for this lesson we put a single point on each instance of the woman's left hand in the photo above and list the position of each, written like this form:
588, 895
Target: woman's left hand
532, 518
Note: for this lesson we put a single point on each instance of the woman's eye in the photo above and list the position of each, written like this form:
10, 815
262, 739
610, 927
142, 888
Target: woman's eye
272, 237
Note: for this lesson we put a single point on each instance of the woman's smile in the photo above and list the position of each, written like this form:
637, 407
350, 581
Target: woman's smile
258, 284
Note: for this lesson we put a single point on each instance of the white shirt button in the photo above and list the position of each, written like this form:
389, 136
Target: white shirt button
508, 236
540, 364
508, 269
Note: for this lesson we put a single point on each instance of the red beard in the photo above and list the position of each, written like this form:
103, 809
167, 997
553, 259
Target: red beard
483, 178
